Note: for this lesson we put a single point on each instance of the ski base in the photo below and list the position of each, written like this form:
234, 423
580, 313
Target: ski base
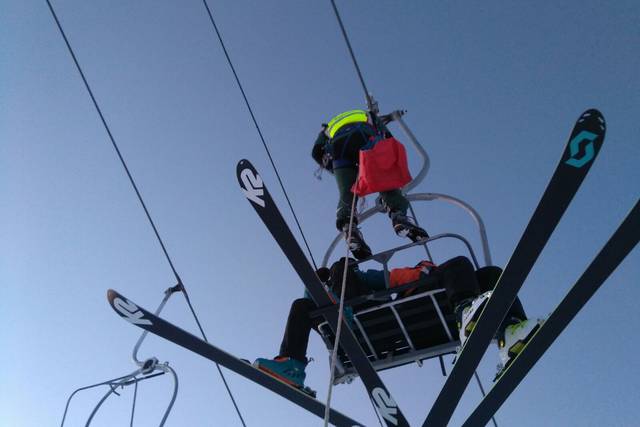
581, 150
621, 243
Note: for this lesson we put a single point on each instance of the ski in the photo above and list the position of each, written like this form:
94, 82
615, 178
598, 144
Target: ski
158, 326
583, 147
256, 192
620, 244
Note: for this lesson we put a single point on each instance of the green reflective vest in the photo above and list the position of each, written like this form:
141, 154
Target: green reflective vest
348, 117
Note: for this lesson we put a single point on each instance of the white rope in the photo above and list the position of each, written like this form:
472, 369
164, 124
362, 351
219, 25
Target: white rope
334, 354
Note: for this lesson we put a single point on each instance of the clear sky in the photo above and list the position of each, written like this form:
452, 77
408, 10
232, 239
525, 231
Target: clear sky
492, 90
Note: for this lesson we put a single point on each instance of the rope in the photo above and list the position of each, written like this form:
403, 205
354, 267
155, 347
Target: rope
334, 354
135, 187
255, 122
370, 103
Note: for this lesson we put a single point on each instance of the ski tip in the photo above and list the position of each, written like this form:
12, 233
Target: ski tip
595, 117
243, 164
111, 295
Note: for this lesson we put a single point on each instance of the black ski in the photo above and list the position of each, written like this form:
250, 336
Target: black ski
583, 147
158, 326
255, 190
622, 242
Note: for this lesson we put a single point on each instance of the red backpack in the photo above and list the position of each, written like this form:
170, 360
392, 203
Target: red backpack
382, 168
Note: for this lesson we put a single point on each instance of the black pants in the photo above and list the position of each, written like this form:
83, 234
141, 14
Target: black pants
461, 282
299, 324
457, 276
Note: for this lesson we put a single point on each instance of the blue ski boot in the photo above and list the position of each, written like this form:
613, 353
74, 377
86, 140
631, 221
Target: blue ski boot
289, 371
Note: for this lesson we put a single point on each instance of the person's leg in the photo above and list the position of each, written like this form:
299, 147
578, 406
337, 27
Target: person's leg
290, 365
296, 334
396, 205
395, 201
345, 178
487, 278
458, 278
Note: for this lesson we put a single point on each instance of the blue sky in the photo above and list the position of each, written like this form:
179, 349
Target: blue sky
492, 91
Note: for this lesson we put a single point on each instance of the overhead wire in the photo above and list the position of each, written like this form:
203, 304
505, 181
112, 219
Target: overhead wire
137, 191
255, 122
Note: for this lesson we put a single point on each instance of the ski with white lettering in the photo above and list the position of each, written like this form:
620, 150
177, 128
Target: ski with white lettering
583, 147
158, 326
256, 192
620, 244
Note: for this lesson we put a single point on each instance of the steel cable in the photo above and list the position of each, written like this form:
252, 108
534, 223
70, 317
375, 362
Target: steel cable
255, 122
135, 187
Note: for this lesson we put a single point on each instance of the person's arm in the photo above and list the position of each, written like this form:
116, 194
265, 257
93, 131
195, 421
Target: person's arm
318, 151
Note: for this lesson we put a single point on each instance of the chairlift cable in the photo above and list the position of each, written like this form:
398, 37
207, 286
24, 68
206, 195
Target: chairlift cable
135, 188
370, 103
255, 122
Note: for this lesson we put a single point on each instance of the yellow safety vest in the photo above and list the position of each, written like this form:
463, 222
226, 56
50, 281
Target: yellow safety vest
348, 117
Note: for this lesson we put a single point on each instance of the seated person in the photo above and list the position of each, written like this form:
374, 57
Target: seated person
457, 276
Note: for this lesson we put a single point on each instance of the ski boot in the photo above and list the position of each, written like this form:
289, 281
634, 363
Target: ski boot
405, 226
356, 244
289, 371
467, 314
513, 340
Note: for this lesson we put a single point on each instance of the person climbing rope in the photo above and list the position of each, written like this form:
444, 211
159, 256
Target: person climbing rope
337, 149
466, 290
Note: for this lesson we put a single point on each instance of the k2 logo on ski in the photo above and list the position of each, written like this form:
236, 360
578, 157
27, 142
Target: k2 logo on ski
574, 148
130, 312
253, 186
387, 407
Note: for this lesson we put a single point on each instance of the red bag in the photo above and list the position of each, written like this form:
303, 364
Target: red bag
382, 168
